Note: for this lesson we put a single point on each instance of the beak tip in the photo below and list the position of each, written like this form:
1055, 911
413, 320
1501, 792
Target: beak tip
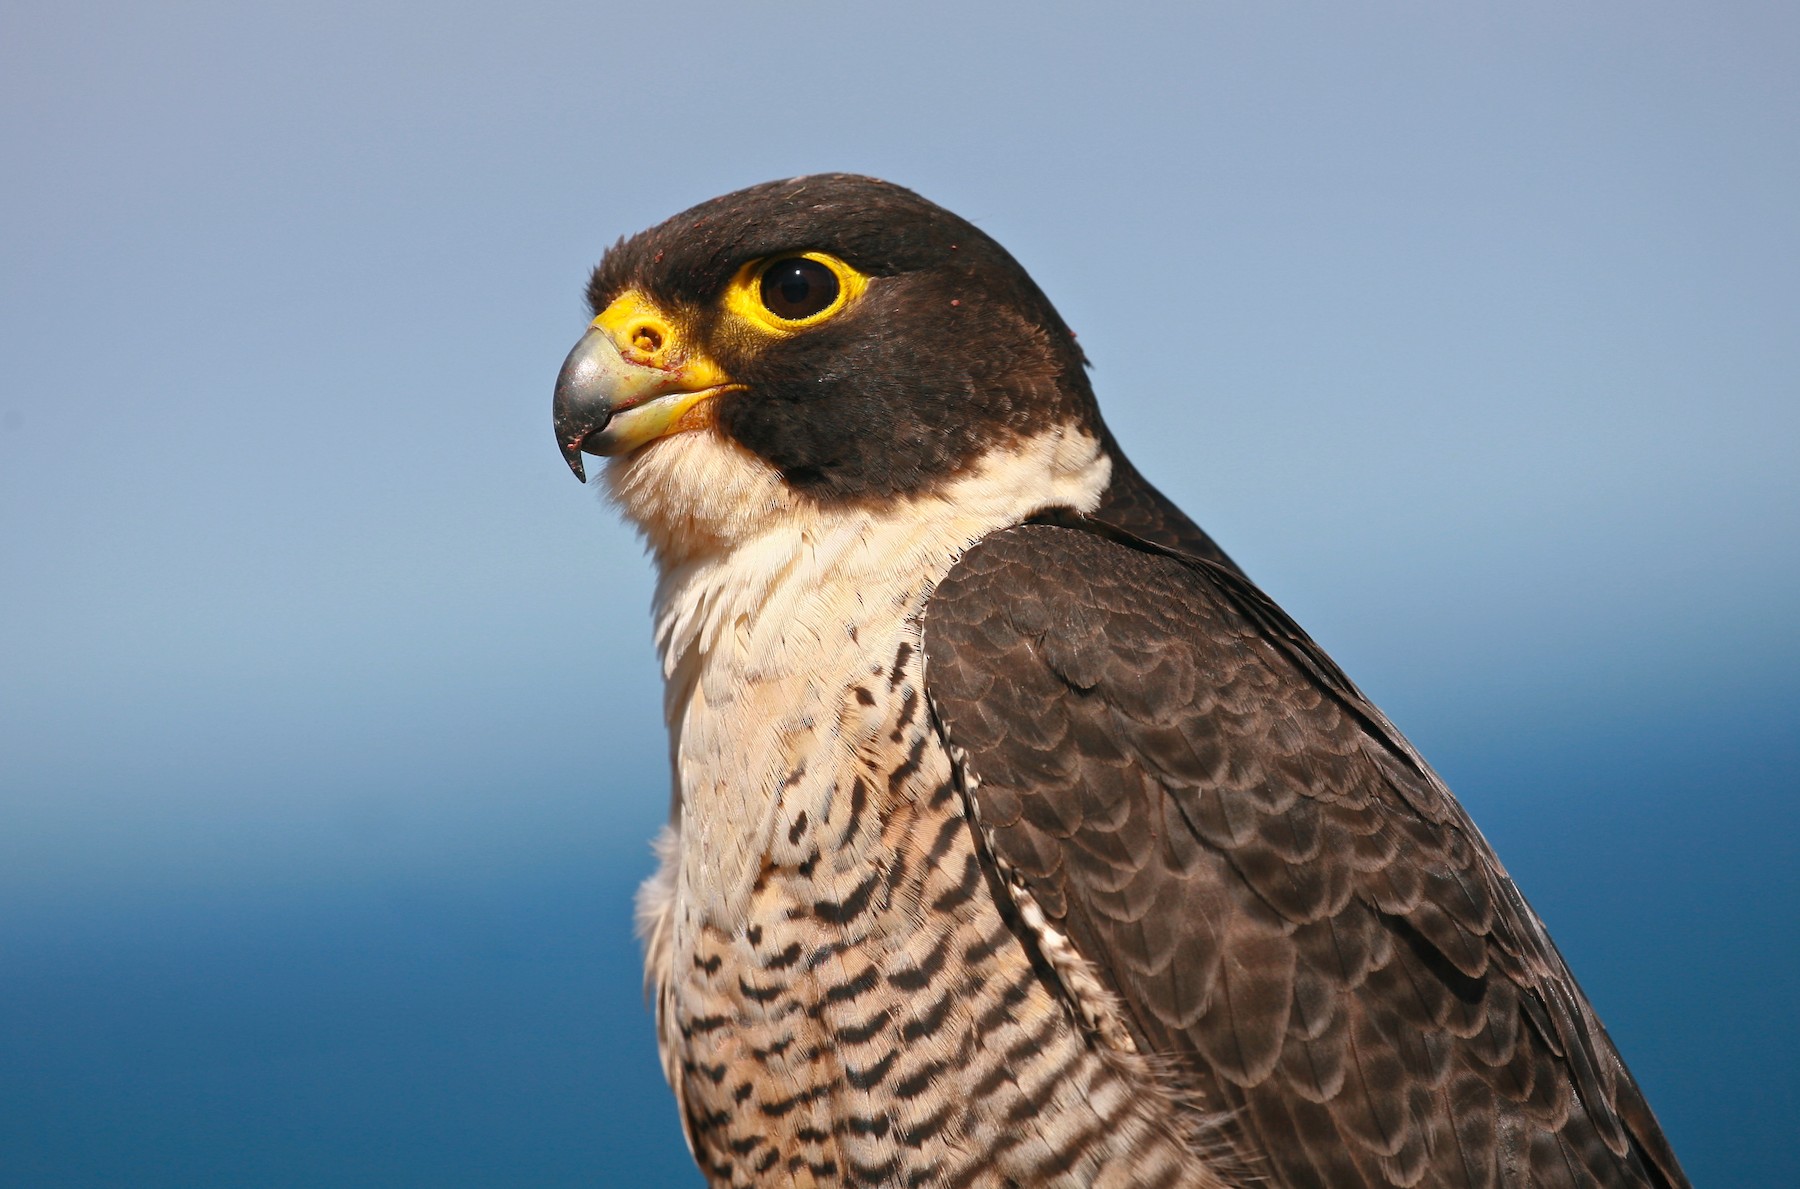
572, 456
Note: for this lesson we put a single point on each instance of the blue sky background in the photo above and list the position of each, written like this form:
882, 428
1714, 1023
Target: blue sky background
330, 737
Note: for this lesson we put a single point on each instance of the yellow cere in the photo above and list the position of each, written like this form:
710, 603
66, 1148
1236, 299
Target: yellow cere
637, 327
743, 297
644, 335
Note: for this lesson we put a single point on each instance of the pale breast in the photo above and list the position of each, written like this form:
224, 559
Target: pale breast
846, 994
874, 1017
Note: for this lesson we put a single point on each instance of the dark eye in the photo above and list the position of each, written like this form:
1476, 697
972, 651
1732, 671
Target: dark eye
798, 288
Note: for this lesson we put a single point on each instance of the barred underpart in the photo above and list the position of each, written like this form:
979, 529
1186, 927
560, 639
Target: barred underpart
848, 993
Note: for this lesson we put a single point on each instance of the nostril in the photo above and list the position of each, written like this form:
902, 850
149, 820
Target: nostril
647, 338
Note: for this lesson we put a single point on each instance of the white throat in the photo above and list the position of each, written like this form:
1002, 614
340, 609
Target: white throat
770, 608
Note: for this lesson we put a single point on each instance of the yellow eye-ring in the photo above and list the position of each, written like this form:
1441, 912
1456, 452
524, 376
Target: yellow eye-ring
788, 293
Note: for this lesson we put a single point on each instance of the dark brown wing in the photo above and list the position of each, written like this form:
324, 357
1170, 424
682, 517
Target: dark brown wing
1286, 900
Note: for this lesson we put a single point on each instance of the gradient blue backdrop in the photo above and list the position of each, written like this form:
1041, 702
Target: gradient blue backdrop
329, 731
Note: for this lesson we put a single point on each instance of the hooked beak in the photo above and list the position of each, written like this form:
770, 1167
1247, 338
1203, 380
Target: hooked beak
629, 381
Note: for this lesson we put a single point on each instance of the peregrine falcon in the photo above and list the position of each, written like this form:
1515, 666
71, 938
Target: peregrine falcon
1017, 839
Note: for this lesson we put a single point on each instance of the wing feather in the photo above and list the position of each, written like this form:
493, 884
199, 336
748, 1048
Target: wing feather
1286, 901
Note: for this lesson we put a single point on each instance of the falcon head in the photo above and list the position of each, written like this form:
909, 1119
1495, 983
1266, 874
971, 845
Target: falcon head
818, 342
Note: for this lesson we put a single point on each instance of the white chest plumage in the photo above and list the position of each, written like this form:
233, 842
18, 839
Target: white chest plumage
769, 613
762, 656
820, 873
